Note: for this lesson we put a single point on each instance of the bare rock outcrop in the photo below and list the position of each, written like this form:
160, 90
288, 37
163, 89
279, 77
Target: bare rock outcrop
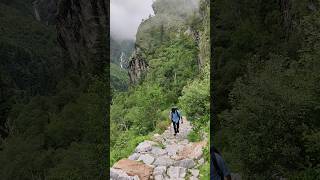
137, 67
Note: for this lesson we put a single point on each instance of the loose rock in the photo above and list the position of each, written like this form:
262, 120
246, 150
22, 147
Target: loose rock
145, 146
146, 158
186, 163
194, 172
163, 161
201, 161
160, 170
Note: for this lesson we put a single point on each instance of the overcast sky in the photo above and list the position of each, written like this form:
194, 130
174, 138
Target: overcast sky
126, 15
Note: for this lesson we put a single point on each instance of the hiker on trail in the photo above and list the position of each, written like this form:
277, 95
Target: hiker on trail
218, 168
175, 117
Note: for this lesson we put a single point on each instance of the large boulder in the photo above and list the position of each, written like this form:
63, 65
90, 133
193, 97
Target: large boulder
134, 168
145, 146
192, 150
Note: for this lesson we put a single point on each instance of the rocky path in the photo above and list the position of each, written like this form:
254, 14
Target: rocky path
165, 157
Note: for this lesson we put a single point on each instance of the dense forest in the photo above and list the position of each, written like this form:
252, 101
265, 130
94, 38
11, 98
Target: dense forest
169, 67
53, 98
266, 73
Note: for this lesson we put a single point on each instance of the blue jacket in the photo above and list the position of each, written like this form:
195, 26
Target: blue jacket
175, 117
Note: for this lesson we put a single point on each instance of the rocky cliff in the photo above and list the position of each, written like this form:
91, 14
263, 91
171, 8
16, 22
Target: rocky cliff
82, 28
137, 67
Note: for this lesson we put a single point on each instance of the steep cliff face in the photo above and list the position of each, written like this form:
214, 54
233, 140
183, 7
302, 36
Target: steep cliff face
82, 32
137, 67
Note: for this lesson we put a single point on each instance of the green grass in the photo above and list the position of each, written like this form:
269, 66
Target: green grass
205, 168
205, 171
194, 136
162, 126
125, 146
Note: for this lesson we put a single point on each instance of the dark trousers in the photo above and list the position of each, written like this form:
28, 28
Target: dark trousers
175, 126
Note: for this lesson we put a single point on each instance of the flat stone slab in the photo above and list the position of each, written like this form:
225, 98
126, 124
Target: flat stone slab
134, 168
146, 158
118, 174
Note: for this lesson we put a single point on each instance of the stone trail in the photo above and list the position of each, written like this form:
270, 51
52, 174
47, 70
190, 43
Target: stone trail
165, 157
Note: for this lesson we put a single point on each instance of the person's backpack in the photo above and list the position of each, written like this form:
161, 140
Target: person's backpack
178, 114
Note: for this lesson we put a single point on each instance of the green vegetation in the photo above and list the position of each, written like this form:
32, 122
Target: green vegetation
173, 78
205, 169
57, 136
125, 145
266, 88
134, 113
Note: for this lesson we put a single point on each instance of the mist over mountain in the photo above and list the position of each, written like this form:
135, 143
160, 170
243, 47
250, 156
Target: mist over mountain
126, 15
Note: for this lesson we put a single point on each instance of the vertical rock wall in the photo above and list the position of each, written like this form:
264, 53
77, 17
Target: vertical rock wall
83, 30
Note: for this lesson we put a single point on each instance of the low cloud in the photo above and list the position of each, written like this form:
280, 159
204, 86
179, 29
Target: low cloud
126, 15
